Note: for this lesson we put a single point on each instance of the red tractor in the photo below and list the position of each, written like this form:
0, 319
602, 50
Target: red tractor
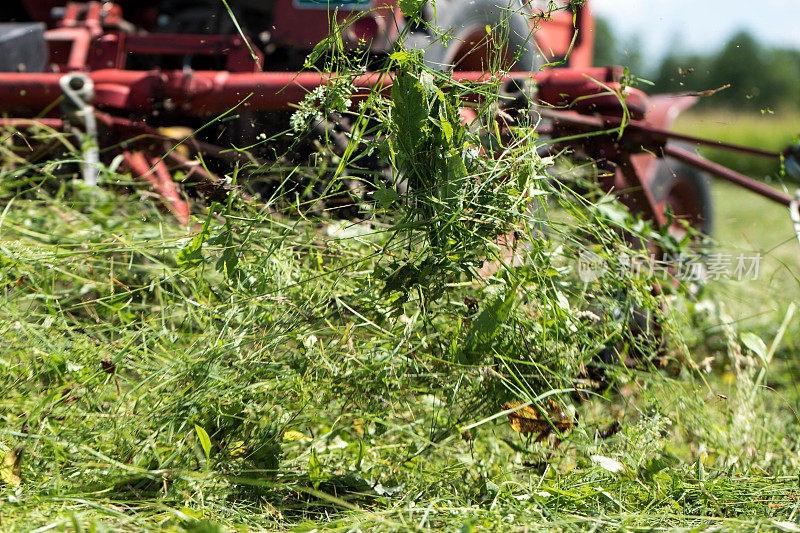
124, 69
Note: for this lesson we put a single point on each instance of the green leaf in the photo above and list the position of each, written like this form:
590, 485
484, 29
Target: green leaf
411, 8
319, 50
205, 441
228, 262
192, 254
401, 57
386, 196
700, 470
362, 449
487, 325
315, 473
756, 345
447, 130
654, 466
409, 113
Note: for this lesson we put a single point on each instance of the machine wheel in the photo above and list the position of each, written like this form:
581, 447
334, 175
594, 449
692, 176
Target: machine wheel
470, 48
687, 191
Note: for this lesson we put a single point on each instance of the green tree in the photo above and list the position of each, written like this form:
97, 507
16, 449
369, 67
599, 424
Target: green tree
631, 54
781, 79
739, 64
605, 44
678, 74
608, 50
757, 77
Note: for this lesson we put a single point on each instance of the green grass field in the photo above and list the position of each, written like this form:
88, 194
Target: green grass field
254, 373
746, 223
768, 131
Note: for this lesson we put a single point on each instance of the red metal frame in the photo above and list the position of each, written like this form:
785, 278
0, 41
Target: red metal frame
200, 93
92, 38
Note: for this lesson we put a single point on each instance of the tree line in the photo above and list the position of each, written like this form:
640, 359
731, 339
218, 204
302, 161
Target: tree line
753, 75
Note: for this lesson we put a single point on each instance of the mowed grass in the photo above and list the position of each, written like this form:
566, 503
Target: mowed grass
263, 380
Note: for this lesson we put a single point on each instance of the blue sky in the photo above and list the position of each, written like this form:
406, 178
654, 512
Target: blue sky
696, 25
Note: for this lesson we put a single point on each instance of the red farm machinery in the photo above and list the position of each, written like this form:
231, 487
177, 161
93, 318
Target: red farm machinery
118, 73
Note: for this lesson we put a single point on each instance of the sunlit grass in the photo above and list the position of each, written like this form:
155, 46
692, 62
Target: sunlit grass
747, 223
768, 131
